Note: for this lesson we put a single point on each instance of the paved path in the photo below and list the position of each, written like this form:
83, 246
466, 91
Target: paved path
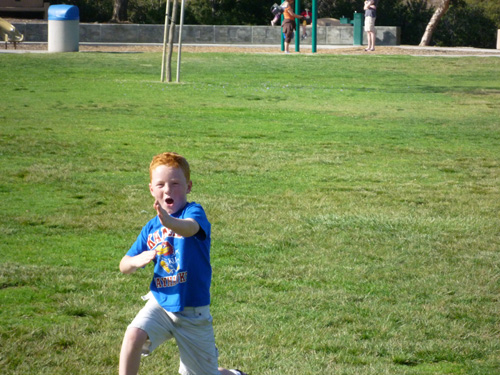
30, 47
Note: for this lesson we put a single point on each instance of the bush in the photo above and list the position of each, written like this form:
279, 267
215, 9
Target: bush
465, 25
229, 12
92, 11
147, 12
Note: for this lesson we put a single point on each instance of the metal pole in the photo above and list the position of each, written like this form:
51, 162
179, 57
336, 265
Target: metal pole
282, 36
165, 35
314, 26
297, 26
179, 46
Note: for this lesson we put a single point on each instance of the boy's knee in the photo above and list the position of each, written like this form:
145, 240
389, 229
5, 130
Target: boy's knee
136, 336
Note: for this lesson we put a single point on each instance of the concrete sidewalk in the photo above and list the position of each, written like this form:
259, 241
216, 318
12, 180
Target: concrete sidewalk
479, 51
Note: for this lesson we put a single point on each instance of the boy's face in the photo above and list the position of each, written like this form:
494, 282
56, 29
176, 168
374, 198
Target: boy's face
169, 187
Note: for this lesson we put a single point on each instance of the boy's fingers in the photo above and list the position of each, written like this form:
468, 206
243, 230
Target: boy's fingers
158, 207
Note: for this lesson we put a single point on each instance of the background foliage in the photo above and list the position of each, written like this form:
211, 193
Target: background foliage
467, 23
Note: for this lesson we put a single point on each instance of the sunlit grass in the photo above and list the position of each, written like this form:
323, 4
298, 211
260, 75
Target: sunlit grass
354, 203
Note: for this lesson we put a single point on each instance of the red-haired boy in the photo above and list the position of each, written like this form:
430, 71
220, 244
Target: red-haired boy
177, 241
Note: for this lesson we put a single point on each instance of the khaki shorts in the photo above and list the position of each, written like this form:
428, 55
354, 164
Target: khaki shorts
192, 330
370, 24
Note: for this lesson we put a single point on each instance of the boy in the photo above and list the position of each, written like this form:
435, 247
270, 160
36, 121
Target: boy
177, 241
306, 21
278, 10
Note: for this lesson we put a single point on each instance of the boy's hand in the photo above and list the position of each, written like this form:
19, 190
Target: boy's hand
183, 227
144, 258
162, 214
130, 264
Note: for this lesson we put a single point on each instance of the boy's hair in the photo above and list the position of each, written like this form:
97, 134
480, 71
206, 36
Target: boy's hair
170, 159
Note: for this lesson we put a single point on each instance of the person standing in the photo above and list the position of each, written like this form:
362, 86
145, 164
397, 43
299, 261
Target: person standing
289, 24
370, 8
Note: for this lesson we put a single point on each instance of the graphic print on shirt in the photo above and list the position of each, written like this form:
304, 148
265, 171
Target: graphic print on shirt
168, 261
166, 254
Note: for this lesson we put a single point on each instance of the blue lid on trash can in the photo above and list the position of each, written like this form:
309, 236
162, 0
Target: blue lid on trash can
63, 12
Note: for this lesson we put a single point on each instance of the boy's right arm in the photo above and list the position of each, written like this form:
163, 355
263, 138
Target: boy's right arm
130, 264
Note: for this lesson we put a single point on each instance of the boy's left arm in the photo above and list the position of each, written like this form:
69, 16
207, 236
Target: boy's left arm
183, 227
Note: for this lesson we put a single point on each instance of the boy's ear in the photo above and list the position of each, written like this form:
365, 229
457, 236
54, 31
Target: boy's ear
151, 189
189, 186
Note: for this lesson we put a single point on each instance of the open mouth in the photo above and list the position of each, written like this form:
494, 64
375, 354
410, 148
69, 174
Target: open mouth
169, 201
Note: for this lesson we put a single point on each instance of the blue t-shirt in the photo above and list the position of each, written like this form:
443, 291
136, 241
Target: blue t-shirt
182, 270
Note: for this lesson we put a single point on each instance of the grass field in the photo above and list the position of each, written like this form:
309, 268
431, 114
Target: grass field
354, 202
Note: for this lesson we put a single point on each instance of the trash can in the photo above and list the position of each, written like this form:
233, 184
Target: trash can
64, 28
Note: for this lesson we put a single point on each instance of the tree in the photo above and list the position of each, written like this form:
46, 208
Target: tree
491, 9
229, 12
433, 23
119, 11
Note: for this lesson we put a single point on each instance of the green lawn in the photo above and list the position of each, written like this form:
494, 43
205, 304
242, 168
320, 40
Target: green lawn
354, 202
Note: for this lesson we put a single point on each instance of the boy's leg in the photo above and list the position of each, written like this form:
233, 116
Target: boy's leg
195, 338
130, 355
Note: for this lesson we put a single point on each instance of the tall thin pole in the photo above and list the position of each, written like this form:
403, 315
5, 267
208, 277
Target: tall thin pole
165, 34
314, 26
297, 26
171, 41
282, 37
179, 46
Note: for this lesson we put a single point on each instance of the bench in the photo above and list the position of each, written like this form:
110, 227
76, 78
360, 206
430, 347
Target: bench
25, 6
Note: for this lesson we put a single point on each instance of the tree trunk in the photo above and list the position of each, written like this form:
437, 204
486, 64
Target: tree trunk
431, 26
119, 11
171, 41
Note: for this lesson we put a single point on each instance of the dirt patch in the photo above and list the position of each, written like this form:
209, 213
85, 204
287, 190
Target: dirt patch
381, 50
